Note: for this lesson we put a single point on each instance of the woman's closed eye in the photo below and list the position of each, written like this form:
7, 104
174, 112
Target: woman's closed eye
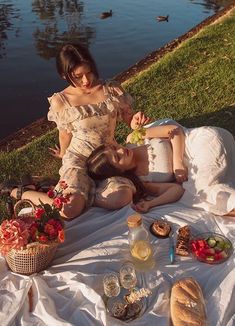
117, 157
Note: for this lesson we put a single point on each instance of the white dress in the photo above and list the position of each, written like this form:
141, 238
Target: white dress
210, 158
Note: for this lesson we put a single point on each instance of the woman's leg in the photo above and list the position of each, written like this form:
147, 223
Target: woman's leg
70, 210
211, 162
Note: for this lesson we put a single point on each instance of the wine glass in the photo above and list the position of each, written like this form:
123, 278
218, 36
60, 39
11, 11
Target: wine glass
128, 277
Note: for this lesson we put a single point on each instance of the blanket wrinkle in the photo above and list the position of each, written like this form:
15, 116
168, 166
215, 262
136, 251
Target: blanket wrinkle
70, 291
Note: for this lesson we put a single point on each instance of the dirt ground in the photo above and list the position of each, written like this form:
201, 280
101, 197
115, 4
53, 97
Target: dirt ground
41, 126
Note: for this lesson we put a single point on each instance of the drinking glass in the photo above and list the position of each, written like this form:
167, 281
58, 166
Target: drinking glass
128, 277
111, 285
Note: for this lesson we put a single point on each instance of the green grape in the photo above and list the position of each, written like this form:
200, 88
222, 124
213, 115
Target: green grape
137, 136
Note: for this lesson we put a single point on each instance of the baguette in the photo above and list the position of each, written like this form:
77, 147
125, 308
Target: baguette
187, 304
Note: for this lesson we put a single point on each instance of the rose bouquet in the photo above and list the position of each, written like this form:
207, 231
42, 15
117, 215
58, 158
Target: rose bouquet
40, 229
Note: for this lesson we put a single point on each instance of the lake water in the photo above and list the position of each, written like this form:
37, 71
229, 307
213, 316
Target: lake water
31, 31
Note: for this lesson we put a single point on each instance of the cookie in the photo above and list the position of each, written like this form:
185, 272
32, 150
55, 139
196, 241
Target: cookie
160, 229
133, 309
119, 310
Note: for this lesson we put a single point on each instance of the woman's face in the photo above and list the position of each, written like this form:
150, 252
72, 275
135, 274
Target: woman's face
83, 77
120, 157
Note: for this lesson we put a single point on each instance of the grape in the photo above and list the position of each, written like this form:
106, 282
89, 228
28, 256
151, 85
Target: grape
137, 136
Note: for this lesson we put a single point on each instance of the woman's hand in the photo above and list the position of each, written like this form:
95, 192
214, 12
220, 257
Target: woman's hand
139, 119
142, 206
64, 141
180, 172
56, 152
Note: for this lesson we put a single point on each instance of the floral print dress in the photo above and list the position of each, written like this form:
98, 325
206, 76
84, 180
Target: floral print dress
91, 125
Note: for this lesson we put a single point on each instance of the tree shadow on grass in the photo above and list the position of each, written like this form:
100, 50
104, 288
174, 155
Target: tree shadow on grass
224, 118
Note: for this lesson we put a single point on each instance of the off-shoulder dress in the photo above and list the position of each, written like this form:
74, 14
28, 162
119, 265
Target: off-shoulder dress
91, 125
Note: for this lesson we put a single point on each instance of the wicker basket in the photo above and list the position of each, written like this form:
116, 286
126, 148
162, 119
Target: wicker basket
24, 209
36, 256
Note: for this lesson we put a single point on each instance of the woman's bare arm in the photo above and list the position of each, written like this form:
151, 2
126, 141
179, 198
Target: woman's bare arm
64, 140
64, 136
165, 193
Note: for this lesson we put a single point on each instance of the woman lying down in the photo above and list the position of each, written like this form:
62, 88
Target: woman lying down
201, 159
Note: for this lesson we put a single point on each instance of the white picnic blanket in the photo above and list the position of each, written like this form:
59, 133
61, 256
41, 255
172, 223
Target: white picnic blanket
70, 291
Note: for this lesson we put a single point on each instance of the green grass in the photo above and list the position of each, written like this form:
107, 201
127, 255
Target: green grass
193, 84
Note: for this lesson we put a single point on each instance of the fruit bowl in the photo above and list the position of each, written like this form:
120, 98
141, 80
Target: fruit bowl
211, 248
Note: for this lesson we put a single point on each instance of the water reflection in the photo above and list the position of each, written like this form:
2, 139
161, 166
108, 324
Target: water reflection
51, 36
8, 14
31, 31
214, 5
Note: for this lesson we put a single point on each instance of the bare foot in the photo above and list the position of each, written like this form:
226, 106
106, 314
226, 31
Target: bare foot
232, 213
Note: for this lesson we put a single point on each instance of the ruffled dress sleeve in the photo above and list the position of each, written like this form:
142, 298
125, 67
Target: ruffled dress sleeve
64, 116
124, 99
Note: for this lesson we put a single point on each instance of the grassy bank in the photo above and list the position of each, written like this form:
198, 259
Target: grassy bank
193, 85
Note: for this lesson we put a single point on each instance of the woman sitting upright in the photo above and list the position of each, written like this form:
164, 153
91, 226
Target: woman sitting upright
86, 113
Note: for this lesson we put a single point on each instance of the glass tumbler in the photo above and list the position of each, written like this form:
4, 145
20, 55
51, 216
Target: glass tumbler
111, 285
128, 277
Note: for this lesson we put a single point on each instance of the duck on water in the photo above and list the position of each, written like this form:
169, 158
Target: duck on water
106, 14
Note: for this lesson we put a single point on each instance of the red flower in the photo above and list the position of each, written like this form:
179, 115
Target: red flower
39, 212
33, 230
45, 227
59, 201
51, 193
43, 238
52, 228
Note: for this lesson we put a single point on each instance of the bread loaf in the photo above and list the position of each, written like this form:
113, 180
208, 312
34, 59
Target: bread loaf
187, 304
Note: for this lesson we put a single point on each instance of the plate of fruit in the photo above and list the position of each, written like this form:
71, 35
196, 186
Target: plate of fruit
211, 248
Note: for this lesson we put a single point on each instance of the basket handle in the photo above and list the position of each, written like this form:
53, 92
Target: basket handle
21, 202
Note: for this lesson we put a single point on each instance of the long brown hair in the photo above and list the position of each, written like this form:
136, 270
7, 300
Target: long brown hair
99, 168
72, 56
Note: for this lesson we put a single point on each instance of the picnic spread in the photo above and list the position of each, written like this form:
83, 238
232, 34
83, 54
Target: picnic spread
71, 291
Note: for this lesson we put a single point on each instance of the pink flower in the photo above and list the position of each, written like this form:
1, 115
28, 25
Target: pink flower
39, 212
14, 233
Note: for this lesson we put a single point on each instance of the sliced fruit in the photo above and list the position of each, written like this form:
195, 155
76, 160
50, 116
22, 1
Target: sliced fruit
210, 258
211, 242
209, 251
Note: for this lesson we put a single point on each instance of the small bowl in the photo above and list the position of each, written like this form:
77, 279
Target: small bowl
211, 248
